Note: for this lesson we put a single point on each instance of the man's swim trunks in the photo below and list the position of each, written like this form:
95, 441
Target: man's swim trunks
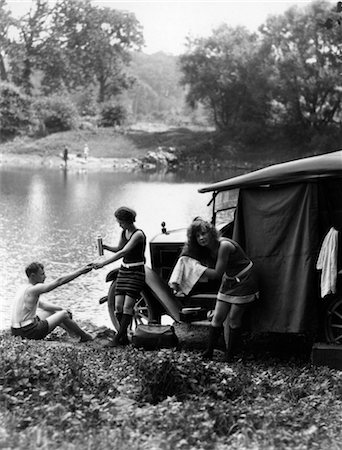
39, 329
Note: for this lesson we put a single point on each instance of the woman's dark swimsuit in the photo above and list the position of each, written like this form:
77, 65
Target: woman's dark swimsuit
131, 280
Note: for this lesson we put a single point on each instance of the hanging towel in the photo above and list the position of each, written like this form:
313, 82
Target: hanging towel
327, 263
185, 274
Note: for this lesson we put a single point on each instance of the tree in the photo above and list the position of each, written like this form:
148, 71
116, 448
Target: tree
89, 45
225, 73
307, 57
26, 52
157, 90
6, 22
16, 115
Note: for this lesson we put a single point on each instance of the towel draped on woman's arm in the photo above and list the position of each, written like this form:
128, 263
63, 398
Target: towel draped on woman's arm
185, 274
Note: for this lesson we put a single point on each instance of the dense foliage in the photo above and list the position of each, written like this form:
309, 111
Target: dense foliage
15, 111
157, 94
307, 58
112, 114
56, 113
285, 78
74, 44
270, 86
226, 73
63, 395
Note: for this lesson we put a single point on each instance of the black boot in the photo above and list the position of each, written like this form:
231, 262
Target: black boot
124, 339
232, 344
214, 334
118, 315
121, 337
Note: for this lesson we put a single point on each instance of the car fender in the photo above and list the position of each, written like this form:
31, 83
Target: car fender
162, 293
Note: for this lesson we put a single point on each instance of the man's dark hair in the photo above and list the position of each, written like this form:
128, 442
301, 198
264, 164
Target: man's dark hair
33, 268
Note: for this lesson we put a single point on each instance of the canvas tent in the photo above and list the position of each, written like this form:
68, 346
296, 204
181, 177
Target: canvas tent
282, 216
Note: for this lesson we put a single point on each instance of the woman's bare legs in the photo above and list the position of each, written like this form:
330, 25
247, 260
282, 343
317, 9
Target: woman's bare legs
234, 314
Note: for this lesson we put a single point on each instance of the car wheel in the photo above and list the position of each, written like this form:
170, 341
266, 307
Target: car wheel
143, 312
333, 322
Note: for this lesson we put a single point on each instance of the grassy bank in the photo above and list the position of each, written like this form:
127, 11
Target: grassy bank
68, 396
193, 146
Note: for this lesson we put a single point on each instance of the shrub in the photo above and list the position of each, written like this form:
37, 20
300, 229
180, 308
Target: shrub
86, 103
57, 114
15, 111
168, 374
112, 114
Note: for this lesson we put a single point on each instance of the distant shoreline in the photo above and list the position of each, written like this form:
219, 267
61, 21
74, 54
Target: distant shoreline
74, 163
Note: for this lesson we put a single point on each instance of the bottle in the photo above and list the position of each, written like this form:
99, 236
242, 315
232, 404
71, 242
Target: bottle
99, 245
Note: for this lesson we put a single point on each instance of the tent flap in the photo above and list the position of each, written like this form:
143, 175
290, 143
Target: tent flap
278, 227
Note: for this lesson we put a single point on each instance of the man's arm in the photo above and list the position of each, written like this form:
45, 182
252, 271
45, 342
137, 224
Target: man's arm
49, 307
41, 288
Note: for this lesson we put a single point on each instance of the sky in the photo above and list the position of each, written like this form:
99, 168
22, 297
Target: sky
167, 23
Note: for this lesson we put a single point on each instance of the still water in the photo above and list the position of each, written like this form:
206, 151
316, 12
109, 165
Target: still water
54, 216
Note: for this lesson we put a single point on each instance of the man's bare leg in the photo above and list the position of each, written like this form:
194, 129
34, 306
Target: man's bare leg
62, 319
76, 329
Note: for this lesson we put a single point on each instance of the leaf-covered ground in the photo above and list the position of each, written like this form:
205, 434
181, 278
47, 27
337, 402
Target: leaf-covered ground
65, 395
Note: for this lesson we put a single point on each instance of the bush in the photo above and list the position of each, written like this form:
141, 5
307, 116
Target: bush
112, 114
15, 111
86, 103
168, 374
56, 114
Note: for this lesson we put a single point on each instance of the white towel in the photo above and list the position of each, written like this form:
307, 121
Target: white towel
327, 263
185, 274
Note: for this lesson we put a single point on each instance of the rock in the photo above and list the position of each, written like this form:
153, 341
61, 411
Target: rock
162, 157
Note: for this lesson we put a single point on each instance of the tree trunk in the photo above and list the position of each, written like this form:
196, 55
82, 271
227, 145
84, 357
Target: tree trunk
27, 76
102, 90
3, 73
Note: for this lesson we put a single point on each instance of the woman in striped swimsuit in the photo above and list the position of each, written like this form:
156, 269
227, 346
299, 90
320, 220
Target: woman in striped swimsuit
238, 281
131, 276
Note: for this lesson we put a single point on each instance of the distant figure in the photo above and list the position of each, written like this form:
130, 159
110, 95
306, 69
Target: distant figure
86, 152
33, 318
65, 156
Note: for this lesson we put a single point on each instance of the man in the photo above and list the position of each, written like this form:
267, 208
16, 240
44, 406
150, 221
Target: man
32, 324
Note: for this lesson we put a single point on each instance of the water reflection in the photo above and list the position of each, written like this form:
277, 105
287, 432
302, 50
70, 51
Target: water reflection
54, 216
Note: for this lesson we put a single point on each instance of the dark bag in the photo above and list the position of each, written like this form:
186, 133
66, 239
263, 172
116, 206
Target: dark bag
154, 336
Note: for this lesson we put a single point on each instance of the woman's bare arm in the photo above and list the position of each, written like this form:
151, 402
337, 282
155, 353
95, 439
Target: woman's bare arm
122, 252
114, 249
225, 249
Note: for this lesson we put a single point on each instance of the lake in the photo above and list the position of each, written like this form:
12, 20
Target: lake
54, 216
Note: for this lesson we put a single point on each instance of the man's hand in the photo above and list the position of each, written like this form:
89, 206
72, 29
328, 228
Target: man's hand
86, 268
98, 265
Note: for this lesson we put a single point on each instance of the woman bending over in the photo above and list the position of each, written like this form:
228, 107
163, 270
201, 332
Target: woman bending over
238, 280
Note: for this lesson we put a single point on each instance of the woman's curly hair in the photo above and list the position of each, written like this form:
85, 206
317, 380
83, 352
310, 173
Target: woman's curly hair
205, 255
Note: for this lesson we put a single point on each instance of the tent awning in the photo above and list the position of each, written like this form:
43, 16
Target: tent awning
328, 165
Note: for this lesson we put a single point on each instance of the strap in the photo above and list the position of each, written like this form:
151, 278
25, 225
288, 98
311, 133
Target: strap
129, 265
23, 324
236, 277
